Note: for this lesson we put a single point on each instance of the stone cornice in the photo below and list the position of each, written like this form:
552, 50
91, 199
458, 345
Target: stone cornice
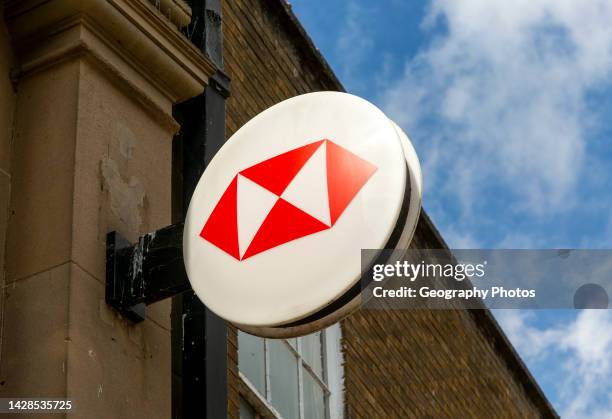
130, 37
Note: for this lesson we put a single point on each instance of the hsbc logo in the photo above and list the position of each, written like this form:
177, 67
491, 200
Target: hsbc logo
292, 195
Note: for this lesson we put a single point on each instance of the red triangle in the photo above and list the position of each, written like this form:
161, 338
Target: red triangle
346, 175
221, 228
283, 224
277, 172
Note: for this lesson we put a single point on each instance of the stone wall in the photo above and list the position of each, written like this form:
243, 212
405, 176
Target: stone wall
91, 153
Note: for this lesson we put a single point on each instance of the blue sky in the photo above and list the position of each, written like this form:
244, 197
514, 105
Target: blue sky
508, 105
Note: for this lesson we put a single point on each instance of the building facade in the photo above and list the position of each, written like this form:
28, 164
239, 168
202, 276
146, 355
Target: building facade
89, 93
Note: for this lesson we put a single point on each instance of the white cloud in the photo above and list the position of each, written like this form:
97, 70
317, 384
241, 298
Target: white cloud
496, 103
585, 344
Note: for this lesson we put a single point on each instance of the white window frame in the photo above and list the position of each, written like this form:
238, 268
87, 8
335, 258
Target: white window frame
333, 367
331, 382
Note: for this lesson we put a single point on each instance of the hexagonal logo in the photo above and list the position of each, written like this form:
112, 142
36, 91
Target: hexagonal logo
294, 194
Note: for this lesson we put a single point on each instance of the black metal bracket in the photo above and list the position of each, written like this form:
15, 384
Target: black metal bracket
146, 272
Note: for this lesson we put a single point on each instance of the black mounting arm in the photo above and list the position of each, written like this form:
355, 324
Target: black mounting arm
146, 272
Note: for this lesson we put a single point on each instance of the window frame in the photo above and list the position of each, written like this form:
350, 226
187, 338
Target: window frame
330, 380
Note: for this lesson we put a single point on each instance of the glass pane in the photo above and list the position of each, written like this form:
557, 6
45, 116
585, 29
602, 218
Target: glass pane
311, 352
251, 360
314, 398
283, 379
246, 411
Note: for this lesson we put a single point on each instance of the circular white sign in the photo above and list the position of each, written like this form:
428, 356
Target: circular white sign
276, 224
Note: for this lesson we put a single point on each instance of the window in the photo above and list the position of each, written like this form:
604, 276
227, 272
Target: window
296, 378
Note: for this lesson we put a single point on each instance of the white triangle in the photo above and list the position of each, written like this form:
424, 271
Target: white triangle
254, 204
308, 189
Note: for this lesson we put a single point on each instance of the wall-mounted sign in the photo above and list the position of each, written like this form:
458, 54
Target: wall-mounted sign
274, 231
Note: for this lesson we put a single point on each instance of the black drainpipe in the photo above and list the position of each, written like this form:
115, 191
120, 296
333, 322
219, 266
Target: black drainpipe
199, 337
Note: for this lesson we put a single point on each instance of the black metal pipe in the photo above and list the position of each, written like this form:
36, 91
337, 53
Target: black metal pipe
199, 337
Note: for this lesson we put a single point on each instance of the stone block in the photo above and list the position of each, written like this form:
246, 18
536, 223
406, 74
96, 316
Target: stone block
36, 335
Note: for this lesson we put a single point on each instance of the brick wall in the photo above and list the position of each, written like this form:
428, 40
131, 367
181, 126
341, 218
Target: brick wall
397, 364
263, 61
433, 363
